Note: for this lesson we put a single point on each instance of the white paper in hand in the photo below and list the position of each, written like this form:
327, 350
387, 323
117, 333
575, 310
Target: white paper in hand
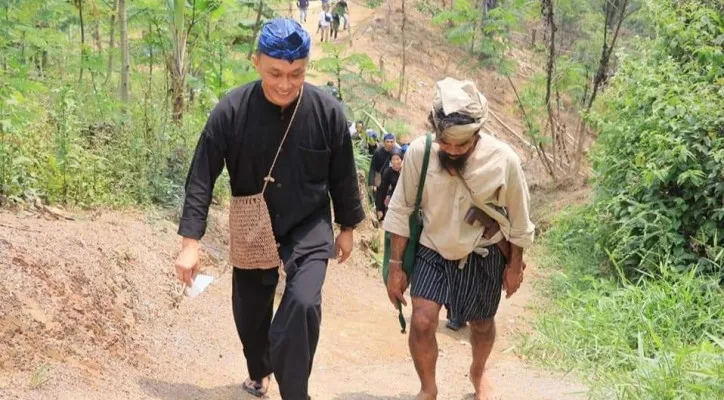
201, 282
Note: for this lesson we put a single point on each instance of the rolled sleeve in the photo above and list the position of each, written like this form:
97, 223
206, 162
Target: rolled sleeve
517, 198
402, 203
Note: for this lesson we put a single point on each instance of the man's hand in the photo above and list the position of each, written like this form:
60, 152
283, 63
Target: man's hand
373, 189
343, 245
396, 284
187, 263
512, 278
380, 214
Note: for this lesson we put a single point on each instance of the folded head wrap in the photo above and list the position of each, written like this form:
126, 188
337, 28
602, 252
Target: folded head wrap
463, 99
371, 133
396, 151
284, 39
389, 136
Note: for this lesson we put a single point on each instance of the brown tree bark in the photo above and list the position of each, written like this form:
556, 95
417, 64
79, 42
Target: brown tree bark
79, 4
257, 27
547, 8
125, 56
111, 41
404, 52
389, 17
606, 51
97, 33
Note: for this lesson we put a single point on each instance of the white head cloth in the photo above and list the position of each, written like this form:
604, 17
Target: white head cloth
454, 96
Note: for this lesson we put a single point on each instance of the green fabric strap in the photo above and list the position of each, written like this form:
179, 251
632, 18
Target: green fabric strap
416, 212
423, 172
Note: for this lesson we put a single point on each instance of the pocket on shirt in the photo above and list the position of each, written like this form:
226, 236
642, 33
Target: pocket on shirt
316, 164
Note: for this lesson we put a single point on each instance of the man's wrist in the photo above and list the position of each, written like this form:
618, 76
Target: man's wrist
516, 265
188, 242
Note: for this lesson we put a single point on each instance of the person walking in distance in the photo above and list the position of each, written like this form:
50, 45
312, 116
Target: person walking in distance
325, 23
475, 208
303, 6
380, 161
388, 183
286, 147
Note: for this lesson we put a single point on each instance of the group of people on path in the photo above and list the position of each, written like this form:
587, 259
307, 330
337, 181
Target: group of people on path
384, 171
288, 151
330, 17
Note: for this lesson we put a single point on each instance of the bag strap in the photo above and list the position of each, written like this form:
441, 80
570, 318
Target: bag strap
268, 178
423, 172
418, 200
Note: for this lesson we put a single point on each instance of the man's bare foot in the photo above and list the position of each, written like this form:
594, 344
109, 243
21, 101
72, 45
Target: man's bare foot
426, 396
483, 389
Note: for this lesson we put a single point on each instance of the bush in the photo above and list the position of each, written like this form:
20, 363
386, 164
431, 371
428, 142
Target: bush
72, 146
659, 339
659, 159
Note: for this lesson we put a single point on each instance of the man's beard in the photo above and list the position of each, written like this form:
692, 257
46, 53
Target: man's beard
456, 164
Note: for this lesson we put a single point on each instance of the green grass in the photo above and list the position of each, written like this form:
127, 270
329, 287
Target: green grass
40, 377
656, 339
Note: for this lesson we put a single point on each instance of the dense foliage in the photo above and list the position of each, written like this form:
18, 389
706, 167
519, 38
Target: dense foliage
659, 159
67, 132
637, 299
658, 339
85, 120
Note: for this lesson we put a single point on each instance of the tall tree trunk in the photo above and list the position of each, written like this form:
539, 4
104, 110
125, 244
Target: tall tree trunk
404, 52
7, 23
79, 3
480, 24
22, 48
339, 75
149, 88
111, 41
382, 70
125, 56
548, 12
178, 59
606, 50
256, 29
389, 17
97, 33
220, 83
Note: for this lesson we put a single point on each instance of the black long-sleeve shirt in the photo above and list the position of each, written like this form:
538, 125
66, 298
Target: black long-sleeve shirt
380, 160
387, 187
244, 131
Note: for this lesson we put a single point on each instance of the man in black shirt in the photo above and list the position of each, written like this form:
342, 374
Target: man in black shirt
380, 161
316, 162
388, 183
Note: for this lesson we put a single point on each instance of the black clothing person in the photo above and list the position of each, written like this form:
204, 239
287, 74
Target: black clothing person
316, 162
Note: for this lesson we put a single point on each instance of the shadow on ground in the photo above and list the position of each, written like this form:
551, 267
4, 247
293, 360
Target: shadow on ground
367, 396
156, 389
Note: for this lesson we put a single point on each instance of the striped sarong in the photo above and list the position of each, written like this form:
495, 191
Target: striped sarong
471, 293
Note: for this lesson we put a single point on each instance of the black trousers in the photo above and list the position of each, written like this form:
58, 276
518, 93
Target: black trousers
286, 343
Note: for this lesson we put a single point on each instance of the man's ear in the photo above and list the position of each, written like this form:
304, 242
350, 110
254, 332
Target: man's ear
255, 60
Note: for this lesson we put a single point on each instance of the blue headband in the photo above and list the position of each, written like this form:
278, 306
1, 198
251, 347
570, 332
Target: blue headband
284, 39
372, 133
389, 136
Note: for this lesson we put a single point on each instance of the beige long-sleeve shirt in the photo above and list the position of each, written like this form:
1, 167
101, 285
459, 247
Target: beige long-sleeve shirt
494, 175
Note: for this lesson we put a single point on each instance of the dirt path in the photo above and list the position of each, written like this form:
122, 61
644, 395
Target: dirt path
192, 351
362, 354
359, 16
